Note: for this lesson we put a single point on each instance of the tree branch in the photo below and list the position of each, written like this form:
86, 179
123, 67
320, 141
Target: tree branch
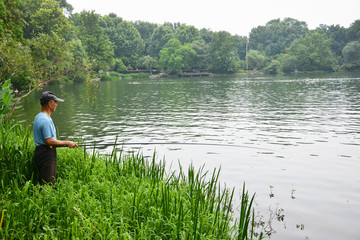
24, 96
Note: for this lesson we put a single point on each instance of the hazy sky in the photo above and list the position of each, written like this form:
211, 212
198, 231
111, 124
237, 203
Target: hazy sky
234, 16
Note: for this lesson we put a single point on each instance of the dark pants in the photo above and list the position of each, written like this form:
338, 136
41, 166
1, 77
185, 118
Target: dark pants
45, 159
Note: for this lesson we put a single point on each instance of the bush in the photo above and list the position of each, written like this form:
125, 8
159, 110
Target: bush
273, 67
112, 76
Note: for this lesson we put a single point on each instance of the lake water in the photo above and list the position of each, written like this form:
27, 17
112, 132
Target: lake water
297, 137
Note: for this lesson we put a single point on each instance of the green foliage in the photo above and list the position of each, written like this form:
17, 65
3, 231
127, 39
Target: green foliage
67, 8
353, 32
187, 34
128, 44
44, 17
240, 45
147, 62
313, 53
81, 67
109, 76
273, 67
145, 29
223, 53
206, 35
159, 39
51, 57
255, 59
351, 53
176, 57
247, 217
202, 57
6, 99
277, 35
11, 19
96, 43
15, 62
16, 153
119, 66
288, 63
337, 34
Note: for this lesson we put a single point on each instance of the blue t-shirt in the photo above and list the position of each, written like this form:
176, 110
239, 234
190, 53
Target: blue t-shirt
43, 129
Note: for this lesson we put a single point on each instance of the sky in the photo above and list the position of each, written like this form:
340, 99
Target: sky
235, 16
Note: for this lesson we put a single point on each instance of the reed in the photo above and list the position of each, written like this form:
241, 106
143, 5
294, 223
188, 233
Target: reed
112, 197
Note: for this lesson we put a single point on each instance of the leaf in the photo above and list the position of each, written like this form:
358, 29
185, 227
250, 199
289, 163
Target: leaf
7, 98
6, 84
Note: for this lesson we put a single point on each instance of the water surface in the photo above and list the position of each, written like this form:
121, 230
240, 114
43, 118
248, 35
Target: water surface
299, 138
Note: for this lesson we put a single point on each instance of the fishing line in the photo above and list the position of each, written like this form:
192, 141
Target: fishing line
169, 143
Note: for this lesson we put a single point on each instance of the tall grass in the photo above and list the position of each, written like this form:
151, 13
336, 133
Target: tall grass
16, 153
111, 197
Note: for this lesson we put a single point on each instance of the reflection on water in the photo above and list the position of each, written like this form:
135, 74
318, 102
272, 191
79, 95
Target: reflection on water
303, 131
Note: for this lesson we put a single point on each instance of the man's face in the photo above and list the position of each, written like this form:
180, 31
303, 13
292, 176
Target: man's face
52, 105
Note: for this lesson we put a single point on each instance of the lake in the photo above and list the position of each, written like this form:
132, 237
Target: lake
294, 140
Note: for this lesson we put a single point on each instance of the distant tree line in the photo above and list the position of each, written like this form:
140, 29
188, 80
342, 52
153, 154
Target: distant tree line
43, 40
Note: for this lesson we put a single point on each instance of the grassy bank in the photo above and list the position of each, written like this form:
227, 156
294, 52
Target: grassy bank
112, 197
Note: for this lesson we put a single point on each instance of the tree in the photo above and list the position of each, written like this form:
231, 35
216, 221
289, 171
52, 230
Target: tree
276, 35
240, 45
176, 57
15, 62
187, 34
159, 39
44, 16
313, 52
110, 24
224, 58
81, 67
51, 59
145, 29
67, 7
96, 43
202, 56
353, 32
288, 63
128, 44
147, 62
337, 34
11, 19
273, 67
206, 35
255, 59
119, 66
351, 53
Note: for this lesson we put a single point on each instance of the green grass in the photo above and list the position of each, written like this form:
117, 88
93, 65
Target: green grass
112, 197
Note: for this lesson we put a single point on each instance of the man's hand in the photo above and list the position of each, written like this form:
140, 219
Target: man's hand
57, 143
71, 144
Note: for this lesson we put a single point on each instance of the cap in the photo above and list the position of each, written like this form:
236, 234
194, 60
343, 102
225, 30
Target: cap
49, 96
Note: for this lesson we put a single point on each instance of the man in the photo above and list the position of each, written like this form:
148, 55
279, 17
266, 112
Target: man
45, 139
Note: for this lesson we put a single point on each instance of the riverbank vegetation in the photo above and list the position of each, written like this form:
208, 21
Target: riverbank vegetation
113, 197
43, 40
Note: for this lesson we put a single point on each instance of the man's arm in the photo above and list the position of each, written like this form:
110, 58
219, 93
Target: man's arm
57, 143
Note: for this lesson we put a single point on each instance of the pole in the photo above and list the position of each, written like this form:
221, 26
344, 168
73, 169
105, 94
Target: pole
169, 143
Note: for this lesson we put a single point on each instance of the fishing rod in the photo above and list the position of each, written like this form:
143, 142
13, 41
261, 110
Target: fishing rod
169, 143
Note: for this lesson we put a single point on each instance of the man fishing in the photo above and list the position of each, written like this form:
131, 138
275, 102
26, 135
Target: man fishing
45, 139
